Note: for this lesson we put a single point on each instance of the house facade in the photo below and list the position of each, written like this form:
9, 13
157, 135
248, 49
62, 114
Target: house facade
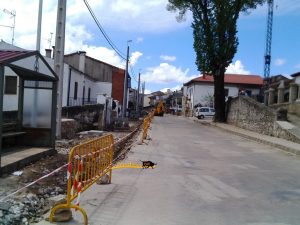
200, 91
84, 79
97, 78
283, 92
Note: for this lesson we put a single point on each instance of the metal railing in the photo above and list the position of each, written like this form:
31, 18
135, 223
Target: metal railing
81, 101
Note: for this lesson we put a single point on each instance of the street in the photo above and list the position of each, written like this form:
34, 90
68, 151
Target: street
203, 176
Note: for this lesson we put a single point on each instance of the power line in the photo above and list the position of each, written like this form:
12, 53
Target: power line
133, 73
110, 42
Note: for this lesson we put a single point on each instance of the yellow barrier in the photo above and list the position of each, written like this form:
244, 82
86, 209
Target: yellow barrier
146, 125
87, 163
127, 165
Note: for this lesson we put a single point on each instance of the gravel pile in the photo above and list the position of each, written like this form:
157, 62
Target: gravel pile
27, 208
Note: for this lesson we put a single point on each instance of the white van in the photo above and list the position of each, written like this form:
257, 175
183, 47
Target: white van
202, 112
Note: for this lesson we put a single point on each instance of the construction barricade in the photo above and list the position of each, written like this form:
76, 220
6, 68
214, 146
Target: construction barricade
88, 162
146, 125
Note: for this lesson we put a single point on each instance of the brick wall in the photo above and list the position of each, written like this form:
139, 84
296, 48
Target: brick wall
118, 85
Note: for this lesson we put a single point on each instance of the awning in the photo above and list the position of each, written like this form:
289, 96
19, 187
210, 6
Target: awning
29, 65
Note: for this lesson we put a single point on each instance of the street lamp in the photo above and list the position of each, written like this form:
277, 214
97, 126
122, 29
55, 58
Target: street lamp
125, 93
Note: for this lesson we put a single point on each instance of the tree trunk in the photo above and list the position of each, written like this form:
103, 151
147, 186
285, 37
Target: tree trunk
219, 97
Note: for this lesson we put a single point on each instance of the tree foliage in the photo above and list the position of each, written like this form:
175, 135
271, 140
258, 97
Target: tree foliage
215, 37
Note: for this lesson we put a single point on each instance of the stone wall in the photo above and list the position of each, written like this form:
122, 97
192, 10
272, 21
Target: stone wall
249, 114
85, 116
292, 108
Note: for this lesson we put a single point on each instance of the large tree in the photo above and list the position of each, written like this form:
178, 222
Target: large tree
215, 38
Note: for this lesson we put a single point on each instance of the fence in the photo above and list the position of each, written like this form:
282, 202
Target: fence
81, 101
87, 163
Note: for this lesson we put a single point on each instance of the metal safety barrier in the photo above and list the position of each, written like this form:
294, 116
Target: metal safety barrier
146, 125
88, 162
128, 165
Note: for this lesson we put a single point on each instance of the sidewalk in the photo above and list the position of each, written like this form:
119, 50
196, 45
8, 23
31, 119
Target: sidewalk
280, 143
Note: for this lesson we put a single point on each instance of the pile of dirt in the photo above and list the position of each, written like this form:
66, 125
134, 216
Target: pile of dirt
31, 203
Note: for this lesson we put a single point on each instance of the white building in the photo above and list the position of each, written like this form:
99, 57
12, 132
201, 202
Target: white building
84, 79
201, 89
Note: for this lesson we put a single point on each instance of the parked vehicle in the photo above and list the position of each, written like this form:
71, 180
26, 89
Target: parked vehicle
202, 112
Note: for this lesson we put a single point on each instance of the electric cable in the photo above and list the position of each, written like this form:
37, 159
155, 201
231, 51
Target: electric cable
110, 42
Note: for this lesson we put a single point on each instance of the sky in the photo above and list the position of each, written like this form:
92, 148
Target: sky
161, 49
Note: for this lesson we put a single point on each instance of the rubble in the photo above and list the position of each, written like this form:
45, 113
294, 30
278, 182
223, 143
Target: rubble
30, 205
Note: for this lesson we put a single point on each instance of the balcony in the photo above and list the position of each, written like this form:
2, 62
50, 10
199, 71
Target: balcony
81, 101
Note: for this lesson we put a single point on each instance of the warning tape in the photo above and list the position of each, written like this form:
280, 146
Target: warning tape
58, 169
33, 182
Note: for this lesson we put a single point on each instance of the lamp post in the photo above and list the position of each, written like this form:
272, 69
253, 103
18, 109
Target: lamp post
125, 93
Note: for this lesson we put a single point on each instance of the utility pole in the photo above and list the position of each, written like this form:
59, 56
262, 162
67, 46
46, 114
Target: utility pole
125, 92
143, 93
36, 65
59, 58
39, 26
138, 96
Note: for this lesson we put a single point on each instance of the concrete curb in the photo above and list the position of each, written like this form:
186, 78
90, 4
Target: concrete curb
295, 149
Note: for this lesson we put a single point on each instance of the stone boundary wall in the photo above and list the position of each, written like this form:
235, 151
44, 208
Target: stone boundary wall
85, 116
249, 114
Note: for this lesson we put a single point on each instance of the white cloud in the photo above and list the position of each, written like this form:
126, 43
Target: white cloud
134, 57
168, 58
237, 68
133, 15
281, 7
279, 62
104, 54
165, 73
148, 91
139, 39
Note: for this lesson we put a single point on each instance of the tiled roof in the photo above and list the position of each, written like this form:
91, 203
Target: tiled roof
232, 79
296, 74
9, 55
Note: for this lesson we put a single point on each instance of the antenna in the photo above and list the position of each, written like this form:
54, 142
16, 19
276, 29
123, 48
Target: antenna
49, 40
13, 15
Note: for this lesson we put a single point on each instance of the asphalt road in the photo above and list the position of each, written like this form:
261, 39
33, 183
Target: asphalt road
203, 176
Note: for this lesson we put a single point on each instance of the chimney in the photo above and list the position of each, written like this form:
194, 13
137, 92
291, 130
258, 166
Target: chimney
48, 52
53, 52
82, 61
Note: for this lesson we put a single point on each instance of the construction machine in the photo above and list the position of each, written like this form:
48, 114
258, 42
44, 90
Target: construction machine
160, 109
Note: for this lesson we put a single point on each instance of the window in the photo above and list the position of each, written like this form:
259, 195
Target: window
204, 109
10, 85
75, 90
248, 92
226, 91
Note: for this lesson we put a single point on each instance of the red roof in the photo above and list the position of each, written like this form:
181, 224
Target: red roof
232, 79
8, 55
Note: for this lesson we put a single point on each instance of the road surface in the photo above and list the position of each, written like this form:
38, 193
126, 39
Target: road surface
203, 176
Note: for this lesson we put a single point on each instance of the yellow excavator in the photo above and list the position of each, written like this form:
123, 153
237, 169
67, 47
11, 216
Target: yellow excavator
160, 109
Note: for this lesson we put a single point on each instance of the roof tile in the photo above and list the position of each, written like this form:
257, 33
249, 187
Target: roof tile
233, 79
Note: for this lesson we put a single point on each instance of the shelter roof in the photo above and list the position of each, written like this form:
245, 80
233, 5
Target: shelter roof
28, 64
